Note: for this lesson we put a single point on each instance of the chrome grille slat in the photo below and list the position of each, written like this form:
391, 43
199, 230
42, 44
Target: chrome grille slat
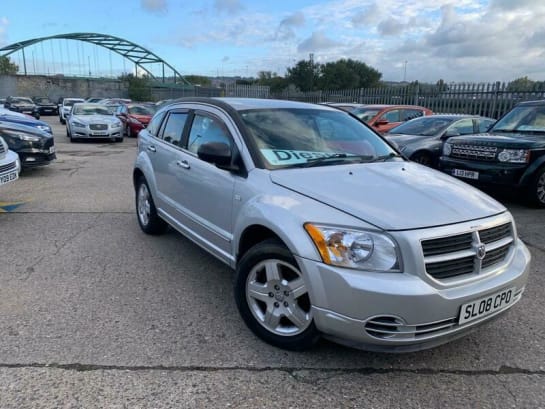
8, 167
481, 152
98, 127
453, 256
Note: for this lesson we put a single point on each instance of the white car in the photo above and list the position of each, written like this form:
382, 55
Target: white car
10, 166
66, 106
93, 121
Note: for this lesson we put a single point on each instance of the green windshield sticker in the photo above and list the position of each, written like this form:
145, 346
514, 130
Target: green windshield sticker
291, 157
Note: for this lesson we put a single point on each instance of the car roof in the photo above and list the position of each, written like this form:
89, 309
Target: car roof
532, 103
242, 104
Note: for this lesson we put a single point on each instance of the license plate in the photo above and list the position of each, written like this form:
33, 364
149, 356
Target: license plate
468, 174
51, 149
100, 133
10, 177
486, 306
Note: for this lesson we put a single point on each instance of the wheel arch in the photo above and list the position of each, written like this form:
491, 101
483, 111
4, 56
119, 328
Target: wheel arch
253, 235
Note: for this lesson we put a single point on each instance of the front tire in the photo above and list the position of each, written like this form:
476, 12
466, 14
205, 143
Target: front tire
423, 158
272, 297
536, 190
146, 213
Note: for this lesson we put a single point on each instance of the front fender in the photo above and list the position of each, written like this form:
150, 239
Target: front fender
285, 216
528, 175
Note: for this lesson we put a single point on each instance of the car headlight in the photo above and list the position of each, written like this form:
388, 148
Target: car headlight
44, 128
514, 155
77, 124
23, 136
447, 149
358, 249
115, 125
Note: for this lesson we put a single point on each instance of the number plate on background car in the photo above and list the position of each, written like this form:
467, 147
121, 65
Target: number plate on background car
100, 133
468, 174
51, 149
486, 306
8, 178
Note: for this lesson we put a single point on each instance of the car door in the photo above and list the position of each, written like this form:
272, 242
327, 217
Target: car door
200, 192
388, 120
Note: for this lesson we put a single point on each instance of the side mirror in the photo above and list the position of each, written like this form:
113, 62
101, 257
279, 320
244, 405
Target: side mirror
217, 153
381, 122
448, 133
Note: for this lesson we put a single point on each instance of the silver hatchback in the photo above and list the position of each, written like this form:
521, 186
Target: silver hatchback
331, 232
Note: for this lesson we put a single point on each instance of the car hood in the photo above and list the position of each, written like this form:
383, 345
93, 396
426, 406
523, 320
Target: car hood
500, 139
393, 195
23, 120
90, 119
404, 139
12, 126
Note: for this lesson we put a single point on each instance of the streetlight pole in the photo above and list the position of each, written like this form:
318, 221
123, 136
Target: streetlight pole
405, 71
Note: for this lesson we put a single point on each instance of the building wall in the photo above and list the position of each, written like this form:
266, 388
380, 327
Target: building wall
58, 86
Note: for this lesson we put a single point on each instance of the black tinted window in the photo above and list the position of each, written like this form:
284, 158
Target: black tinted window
174, 127
155, 123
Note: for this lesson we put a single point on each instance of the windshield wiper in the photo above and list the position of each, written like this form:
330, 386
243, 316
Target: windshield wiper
335, 158
384, 158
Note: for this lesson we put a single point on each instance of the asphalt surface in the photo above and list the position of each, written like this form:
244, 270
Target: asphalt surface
96, 314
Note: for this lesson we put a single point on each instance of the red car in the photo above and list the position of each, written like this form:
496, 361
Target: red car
382, 118
135, 117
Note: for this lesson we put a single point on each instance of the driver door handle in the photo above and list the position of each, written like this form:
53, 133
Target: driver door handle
183, 164
152, 148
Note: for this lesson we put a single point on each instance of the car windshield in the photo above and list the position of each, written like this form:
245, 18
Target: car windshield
295, 137
70, 102
141, 110
25, 100
523, 118
425, 126
365, 114
43, 101
91, 110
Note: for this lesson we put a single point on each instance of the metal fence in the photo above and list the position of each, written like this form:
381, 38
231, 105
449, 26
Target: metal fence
492, 99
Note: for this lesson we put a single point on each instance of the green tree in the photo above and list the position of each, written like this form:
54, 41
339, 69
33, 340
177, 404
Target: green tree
347, 74
521, 84
272, 80
139, 87
304, 75
7, 67
199, 80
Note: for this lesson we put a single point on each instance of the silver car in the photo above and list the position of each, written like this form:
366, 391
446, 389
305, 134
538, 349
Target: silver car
331, 232
93, 121
10, 166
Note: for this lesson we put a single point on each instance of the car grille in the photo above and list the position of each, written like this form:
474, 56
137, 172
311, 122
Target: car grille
458, 255
485, 153
98, 127
2, 149
8, 167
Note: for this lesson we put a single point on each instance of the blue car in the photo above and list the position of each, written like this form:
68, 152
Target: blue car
22, 119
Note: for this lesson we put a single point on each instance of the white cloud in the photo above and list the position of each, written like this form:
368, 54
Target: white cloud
317, 42
228, 6
154, 6
4, 23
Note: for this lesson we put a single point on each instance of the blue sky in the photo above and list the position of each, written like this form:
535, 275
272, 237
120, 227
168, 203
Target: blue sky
425, 40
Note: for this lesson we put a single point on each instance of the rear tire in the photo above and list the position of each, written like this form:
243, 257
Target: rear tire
272, 297
146, 213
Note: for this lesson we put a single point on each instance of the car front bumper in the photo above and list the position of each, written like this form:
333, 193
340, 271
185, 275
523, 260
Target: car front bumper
490, 173
90, 134
347, 304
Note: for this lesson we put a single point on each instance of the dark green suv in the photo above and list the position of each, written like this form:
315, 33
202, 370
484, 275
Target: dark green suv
511, 154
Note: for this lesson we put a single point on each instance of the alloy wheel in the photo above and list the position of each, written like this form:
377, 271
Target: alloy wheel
278, 298
144, 206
